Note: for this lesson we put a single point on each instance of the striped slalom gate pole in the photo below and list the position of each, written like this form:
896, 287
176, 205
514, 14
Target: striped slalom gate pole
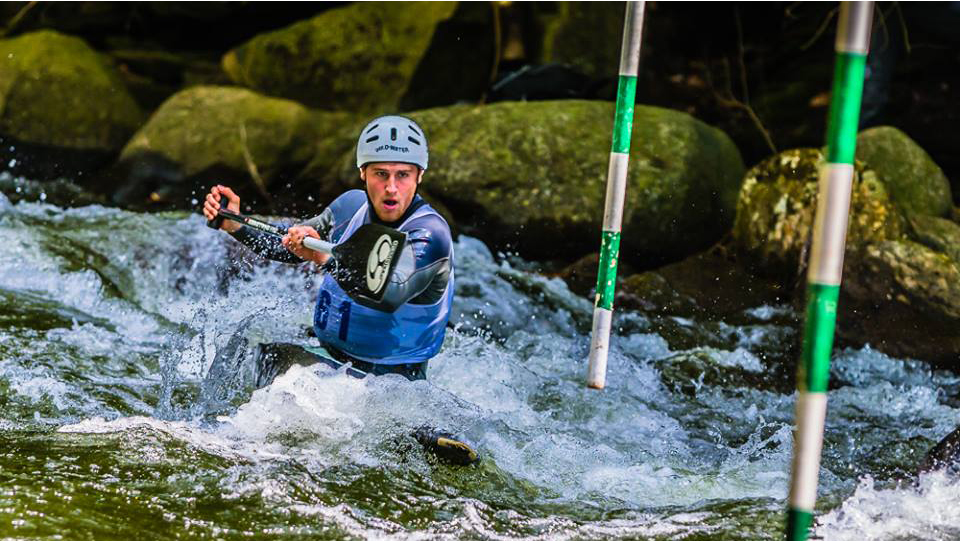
826, 263
616, 190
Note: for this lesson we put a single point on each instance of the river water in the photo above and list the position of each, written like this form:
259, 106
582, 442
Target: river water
111, 322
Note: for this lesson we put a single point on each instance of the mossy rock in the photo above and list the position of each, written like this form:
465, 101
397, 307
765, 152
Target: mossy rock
912, 178
359, 57
216, 133
58, 92
778, 200
531, 176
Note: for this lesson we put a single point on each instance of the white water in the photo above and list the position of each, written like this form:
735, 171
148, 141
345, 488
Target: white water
144, 309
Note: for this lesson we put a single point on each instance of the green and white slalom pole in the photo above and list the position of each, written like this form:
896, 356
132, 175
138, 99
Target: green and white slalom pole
616, 190
826, 263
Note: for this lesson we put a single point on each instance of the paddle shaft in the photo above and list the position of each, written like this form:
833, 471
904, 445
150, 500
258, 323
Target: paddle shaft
308, 242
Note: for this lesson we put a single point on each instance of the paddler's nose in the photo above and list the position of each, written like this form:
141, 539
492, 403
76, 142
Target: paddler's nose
391, 187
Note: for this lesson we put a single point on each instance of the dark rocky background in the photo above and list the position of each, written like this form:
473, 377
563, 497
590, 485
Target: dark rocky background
144, 105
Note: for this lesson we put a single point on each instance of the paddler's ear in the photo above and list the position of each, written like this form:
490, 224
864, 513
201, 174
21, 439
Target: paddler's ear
363, 174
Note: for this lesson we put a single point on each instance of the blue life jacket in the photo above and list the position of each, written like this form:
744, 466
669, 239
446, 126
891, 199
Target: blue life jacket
413, 333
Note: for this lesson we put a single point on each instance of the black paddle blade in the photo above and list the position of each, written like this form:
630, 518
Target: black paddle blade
446, 446
366, 261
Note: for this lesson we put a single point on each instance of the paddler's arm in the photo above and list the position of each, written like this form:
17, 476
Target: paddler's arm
287, 249
424, 268
263, 244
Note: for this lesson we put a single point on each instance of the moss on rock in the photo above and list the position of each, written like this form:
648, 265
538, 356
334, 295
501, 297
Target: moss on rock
778, 200
912, 178
57, 91
219, 129
203, 126
359, 57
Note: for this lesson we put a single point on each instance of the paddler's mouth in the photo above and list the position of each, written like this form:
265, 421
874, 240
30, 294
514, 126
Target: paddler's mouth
391, 204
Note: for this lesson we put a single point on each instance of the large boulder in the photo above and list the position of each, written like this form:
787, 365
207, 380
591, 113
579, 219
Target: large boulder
914, 181
359, 57
531, 177
58, 94
221, 134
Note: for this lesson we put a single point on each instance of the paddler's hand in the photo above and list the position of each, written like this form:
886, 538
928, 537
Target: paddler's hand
293, 241
211, 204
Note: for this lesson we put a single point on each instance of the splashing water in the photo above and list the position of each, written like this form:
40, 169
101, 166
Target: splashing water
127, 410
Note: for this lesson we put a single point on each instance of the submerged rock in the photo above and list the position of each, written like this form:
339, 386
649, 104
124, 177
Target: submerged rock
531, 177
230, 135
61, 98
360, 57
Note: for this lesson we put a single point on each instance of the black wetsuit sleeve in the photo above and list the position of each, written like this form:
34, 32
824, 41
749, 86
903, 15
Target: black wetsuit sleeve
265, 245
269, 246
424, 268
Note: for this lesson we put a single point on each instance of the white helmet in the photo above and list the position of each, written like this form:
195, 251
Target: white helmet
392, 139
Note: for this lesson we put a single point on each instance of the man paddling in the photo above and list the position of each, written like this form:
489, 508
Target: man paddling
405, 328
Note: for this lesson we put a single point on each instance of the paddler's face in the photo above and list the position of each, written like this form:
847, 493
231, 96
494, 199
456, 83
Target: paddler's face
391, 187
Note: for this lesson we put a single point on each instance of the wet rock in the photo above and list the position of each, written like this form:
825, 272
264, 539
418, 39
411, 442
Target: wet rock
945, 455
699, 369
358, 58
59, 192
915, 183
58, 94
530, 177
581, 275
709, 285
230, 135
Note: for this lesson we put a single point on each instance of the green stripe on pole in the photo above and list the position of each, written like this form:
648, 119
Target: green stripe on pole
821, 318
623, 121
798, 523
607, 274
845, 107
